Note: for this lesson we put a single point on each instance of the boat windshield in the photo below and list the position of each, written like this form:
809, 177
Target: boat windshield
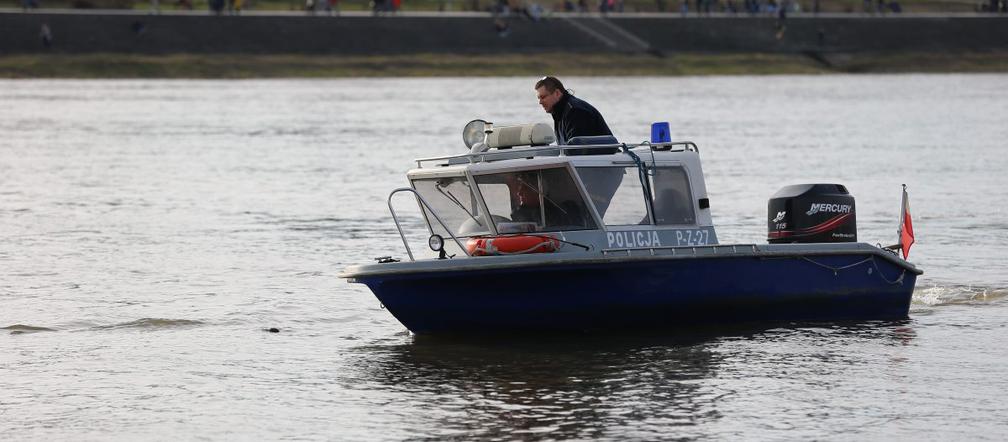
672, 202
534, 201
454, 201
619, 196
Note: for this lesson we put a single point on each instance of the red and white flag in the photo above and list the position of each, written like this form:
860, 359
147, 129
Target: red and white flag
906, 235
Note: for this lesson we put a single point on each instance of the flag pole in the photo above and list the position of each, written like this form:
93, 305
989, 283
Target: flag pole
906, 233
899, 231
903, 205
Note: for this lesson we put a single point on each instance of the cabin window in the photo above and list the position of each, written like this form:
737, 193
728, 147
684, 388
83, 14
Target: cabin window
672, 201
454, 201
617, 193
619, 196
534, 201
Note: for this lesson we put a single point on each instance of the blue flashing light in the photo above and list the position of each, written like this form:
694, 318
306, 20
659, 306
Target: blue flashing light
660, 132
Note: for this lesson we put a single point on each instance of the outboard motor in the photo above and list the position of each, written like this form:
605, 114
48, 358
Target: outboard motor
805, 213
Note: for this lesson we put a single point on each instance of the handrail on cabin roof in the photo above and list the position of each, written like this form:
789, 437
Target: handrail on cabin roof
551, 150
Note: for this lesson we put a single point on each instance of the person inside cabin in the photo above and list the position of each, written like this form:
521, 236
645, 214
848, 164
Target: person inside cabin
524, 188
572, 116
547, 198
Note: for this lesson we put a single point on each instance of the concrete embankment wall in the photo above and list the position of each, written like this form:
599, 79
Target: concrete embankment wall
360, 34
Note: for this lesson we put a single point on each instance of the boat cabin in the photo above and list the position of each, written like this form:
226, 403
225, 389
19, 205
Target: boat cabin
596, 197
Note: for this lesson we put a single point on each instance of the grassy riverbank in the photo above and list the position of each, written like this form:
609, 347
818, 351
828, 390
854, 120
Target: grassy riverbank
278, 66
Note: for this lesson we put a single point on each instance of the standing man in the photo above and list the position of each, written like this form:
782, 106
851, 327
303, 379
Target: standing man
572, 117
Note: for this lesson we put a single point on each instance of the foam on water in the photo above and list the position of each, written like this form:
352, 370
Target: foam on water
945, 295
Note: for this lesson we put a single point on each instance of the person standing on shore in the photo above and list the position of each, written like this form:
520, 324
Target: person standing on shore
46, 35
572, 116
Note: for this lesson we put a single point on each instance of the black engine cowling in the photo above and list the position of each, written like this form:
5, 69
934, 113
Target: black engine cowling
805, 213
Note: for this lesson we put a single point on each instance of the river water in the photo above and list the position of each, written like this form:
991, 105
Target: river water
152, 231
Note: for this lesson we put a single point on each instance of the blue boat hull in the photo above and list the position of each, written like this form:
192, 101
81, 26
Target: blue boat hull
651, 293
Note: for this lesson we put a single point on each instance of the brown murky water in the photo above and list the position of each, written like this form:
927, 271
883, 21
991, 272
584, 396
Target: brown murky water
150, 231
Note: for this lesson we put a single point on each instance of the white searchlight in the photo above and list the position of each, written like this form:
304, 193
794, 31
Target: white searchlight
534, 134
474, 132
480, 135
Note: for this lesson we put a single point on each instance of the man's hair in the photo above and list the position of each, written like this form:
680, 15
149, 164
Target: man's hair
551, 84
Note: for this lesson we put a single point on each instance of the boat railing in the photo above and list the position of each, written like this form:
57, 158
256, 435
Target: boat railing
429, 209
551, 150
767, 251
706, 250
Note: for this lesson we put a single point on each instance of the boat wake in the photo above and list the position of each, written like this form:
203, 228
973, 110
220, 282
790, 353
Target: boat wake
938, 295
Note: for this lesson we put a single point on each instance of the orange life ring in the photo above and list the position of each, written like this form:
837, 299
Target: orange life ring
511, 245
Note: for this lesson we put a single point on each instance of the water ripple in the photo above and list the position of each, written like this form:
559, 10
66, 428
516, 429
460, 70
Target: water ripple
18, 329
151, 323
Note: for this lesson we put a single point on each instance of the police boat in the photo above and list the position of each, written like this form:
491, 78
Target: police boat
600, 235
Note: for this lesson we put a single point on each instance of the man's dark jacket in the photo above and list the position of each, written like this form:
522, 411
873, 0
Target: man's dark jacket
574, 117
